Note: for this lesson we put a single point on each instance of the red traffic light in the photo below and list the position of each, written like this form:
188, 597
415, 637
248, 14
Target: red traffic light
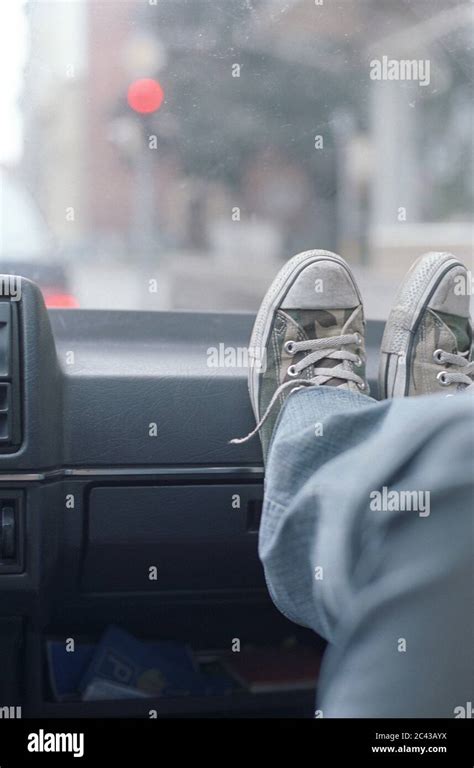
145, 96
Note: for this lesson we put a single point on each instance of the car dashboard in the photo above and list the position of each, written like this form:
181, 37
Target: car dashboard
124, 504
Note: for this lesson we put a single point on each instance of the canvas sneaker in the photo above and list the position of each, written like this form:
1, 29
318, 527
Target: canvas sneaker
309, 331
427, 343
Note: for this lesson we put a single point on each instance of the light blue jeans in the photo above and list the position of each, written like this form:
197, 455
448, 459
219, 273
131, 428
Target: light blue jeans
387, 578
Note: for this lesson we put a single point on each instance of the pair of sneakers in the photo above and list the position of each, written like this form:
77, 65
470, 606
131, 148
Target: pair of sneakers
310, 331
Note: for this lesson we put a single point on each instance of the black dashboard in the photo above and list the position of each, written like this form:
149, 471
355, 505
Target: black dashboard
115, 459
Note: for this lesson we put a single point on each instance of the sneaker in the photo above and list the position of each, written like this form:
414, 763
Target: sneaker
426, 346
309, 331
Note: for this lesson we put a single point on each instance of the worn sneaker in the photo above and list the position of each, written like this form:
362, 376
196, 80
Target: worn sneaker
427, 341
309, 331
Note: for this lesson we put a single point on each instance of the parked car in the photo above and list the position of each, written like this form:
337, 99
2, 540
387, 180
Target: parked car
27, 248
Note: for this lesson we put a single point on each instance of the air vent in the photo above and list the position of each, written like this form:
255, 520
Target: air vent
11, 532
5, 412
10, 397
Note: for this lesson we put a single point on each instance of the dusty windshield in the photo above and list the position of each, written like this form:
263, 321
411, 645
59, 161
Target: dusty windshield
171, 154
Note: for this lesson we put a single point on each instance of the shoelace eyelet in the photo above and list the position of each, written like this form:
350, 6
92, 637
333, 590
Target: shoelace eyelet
442, 378
289, 347
358, 362
362, 386
291, 371
358, 338
438, 356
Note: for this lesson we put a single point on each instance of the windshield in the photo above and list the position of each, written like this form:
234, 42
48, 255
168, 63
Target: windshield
171, 154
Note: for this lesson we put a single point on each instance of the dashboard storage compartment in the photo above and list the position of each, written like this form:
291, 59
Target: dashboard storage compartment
173, 538
103, 675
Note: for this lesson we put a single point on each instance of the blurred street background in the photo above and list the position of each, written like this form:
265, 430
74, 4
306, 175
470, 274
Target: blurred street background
271, 138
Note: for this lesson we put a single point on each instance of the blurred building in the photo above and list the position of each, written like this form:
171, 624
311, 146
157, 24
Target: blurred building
403, 185
250, 89
72, 81
54, 116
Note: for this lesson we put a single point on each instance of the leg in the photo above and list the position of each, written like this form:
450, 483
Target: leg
391, 589
366, 535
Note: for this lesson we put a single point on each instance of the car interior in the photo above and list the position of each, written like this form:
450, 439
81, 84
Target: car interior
132, 471
160, 162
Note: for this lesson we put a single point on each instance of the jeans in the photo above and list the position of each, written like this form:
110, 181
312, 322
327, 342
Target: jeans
367, 538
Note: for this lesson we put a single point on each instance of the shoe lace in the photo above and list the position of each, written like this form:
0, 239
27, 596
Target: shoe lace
465, 373
331, 348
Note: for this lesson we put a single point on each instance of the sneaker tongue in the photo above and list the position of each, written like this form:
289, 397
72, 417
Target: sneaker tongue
321, 324
460, 327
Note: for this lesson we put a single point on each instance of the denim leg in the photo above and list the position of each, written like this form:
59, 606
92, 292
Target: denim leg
390, 589
308, 506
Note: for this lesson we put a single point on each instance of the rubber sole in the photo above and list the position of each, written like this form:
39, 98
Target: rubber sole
413, 297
